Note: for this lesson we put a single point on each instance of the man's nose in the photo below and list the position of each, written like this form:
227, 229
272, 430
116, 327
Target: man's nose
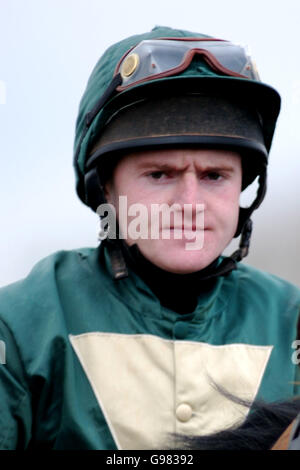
188, 190
188, 196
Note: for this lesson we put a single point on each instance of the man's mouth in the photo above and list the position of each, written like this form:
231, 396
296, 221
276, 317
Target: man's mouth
192, 228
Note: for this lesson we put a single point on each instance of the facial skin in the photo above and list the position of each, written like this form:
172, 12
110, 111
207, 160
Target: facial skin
182, 176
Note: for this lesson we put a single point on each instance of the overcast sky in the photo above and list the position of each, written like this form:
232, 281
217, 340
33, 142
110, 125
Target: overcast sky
47, 51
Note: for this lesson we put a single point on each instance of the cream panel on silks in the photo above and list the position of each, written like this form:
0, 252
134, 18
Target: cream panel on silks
201, 368
141, 381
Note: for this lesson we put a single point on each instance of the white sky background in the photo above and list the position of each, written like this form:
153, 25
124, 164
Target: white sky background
47, 51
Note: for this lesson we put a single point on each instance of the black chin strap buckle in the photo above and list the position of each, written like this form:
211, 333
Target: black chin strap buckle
117, 261
119, 265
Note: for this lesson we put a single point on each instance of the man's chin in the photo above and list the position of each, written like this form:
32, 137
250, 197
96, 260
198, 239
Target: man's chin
175, 256
185, 264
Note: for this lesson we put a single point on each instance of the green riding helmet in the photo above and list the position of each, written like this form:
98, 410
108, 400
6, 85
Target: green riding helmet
173, 88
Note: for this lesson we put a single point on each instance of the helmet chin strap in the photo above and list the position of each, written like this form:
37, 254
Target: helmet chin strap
243, 250
119, 267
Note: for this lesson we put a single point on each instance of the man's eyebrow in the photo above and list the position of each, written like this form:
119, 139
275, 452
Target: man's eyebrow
159, 165
219, 167
163, 166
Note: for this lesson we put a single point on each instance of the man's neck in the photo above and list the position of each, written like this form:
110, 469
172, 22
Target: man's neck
178, 292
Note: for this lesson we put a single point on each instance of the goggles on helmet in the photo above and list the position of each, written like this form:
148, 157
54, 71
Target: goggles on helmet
158, 58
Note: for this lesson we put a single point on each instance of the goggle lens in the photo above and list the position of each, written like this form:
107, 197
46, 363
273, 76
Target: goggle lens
158, 58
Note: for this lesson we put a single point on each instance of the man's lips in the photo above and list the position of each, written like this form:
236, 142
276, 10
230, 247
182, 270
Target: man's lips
193, 228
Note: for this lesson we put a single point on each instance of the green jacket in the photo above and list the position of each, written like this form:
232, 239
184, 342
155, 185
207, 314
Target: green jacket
93, 363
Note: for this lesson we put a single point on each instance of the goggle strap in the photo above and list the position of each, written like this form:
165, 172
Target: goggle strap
116, 81
90, 116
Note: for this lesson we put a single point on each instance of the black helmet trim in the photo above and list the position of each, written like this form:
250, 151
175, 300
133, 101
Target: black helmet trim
181, 120
219, 142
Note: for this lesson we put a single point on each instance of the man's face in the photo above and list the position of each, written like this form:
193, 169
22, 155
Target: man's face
206, 182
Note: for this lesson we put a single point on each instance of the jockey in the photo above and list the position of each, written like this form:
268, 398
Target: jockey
114, 347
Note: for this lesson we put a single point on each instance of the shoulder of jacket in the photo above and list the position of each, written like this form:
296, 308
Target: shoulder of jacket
261, 281
43, 279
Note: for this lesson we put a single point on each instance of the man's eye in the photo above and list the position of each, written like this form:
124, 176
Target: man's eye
157, 174
213, 175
